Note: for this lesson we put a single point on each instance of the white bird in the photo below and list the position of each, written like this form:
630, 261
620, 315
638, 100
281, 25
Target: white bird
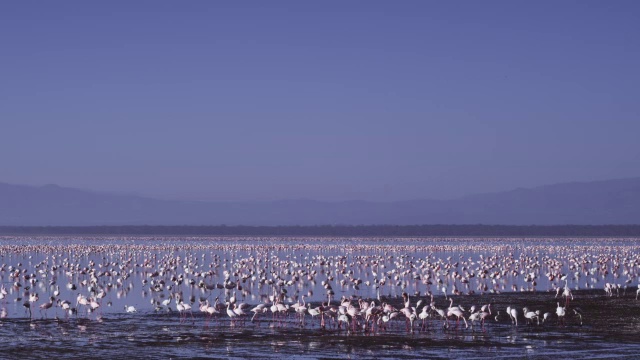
455, 311
313, 312
560, 311
513, 314
531, 315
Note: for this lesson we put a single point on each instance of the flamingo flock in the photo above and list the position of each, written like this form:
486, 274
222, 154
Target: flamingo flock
343, 285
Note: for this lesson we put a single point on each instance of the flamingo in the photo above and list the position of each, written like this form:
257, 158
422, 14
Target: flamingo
260, 308
475, 316
66, 306
513, 314
166, 303
409, 315
47, 306
274, 311
353, 312
180, 308
27, 306
531, 315
459, 307
560, 311
33, 297
442, 314
187, 308
342, 318
282, 311
313, 312
93, 304
301, 310
384, 319
484, 314
239, 312
567, 293
457, 312
82, 300
577, 311
232, 314
424, 314
211, 309
412, 319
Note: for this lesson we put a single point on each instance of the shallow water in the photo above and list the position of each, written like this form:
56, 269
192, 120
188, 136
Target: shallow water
128, 271
159, 336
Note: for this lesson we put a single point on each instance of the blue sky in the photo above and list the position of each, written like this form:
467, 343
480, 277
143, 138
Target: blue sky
327, 100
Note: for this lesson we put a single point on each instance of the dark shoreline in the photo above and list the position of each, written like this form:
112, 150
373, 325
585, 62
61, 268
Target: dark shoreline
338, 230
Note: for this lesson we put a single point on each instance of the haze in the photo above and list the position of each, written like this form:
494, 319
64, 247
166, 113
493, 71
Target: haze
322, 100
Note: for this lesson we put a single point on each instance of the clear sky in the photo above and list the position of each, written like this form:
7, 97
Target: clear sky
328, 100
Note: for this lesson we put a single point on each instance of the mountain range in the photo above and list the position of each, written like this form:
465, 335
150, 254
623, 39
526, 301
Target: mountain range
581, 203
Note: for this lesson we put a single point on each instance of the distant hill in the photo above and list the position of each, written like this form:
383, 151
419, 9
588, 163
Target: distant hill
565, 231
587, 203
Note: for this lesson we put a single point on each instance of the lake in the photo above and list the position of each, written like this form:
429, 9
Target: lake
157, 275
